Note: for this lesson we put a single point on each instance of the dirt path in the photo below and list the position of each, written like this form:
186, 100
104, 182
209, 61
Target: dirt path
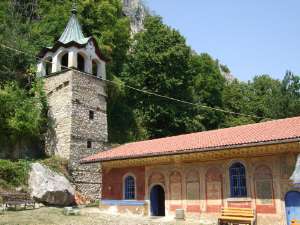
90, 216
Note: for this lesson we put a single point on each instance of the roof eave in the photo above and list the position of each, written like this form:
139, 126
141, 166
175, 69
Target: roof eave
58, 44
197, 150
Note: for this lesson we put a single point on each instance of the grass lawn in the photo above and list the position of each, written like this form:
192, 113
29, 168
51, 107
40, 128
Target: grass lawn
90, 216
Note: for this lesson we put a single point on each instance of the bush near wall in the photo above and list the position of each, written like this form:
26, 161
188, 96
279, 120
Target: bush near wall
14, 173
57, 164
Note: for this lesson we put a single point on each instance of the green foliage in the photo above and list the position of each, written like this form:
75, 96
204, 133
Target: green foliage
22, 113
57, 164
156, 59
14, 173
264, 97
160, 61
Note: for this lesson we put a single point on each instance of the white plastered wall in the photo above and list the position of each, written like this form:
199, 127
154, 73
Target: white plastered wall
88, 53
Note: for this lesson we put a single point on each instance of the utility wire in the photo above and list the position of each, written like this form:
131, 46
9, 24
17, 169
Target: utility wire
139, 90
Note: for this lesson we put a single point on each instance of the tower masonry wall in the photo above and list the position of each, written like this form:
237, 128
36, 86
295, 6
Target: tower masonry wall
59, 95
72, 96
89, 94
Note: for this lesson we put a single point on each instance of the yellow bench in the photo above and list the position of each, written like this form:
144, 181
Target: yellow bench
232, 216
295, 222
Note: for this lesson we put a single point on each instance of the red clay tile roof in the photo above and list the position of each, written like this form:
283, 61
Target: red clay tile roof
253, 134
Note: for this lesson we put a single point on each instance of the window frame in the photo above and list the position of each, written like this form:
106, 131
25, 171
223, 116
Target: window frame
91, 115
124, 187
89, 144
238, 180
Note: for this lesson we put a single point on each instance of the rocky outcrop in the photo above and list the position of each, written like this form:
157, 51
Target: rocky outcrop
49, 187
136, 11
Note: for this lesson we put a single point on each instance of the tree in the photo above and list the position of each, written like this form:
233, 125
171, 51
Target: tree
290, 87
161, 62
22, 115
207, 88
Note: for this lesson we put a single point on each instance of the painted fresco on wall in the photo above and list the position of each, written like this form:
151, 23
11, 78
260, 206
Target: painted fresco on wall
156, 178
213, 187
175, 187
263, 185
287, 164
192, 186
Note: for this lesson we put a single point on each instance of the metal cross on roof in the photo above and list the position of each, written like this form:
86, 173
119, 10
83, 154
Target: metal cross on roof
74, 8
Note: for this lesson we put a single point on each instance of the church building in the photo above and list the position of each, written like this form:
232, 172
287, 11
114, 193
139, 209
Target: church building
247, 166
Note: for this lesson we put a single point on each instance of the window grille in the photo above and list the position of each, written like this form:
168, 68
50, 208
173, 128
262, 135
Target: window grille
129, 188
238, 180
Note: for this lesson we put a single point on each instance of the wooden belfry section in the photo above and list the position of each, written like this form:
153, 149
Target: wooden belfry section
241, 172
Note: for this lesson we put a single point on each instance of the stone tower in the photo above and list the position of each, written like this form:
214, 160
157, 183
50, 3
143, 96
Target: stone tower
73, 70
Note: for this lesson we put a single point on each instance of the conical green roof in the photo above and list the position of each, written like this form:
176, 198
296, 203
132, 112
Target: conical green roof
73, 31
72, 36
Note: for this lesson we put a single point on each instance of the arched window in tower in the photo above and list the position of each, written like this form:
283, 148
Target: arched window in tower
65, 61
48, 66
80, 62
95, 68
237, 175
129, 188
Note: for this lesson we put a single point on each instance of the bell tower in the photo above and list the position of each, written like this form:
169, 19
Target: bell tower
73, 71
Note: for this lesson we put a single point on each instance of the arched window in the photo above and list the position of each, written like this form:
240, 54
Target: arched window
237, 175
129, 188
48, 65
95, 68
64, 61
80, 62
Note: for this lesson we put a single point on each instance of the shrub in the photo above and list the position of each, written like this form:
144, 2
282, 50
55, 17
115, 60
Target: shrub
57, 164
14, 173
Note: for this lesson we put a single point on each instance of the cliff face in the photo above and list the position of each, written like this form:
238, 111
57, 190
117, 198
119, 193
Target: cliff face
137, 12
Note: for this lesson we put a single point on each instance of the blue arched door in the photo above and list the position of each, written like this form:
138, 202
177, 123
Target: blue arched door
292, 206
157, 201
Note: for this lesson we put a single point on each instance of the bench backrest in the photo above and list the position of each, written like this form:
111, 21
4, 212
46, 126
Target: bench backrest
238, 212
7, 196
295, 222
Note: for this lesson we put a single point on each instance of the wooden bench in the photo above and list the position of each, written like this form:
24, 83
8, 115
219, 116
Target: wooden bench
17, 199
295, 222
232, 216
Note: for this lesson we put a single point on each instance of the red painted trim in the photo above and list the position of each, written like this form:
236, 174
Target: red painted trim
193, 208
267, 209
213, 208
174, 207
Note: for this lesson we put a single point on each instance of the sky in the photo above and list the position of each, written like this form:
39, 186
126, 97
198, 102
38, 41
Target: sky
251, 37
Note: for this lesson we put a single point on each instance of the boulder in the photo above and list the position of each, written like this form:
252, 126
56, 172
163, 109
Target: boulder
49, 187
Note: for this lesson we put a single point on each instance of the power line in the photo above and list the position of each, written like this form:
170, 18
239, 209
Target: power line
140, 90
